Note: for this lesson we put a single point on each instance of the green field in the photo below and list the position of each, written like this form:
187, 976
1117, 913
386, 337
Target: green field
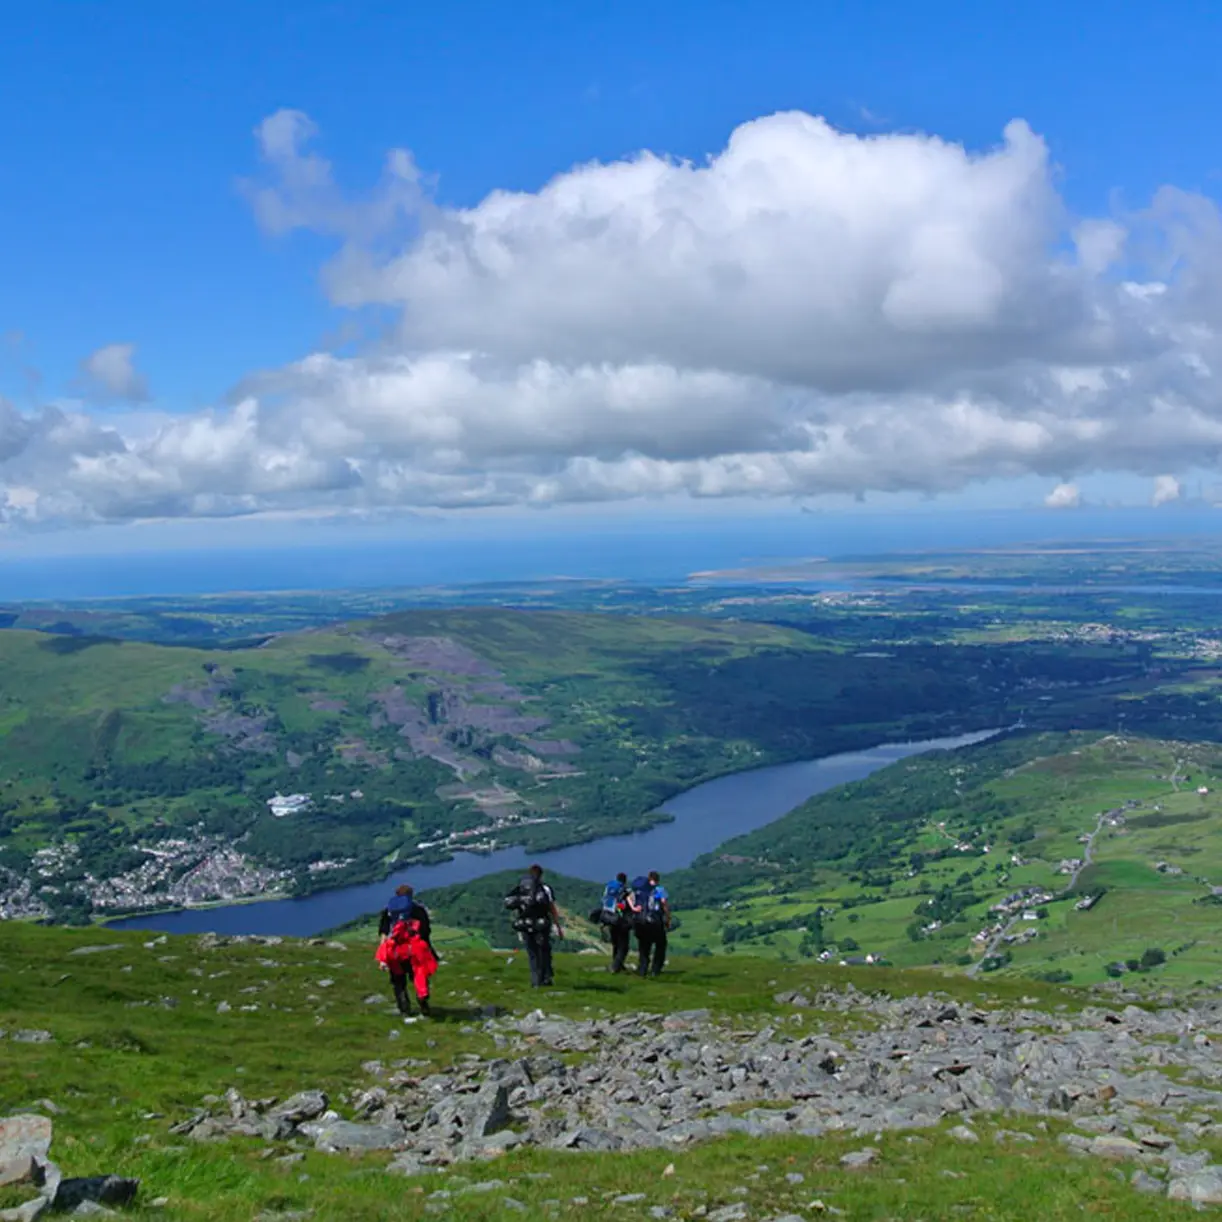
860, 865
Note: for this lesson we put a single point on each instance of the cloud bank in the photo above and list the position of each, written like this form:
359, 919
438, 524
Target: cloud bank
807, 311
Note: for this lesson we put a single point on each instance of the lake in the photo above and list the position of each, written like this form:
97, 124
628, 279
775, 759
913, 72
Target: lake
701, 819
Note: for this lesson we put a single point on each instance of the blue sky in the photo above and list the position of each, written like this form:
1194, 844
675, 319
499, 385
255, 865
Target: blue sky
129, 127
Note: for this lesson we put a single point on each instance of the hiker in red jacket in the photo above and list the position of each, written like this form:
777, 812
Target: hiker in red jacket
405, 950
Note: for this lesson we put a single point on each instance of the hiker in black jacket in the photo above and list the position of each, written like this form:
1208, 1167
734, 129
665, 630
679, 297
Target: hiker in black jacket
534, 906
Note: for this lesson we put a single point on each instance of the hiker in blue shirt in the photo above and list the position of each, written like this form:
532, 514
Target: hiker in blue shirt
616, 915
650, 906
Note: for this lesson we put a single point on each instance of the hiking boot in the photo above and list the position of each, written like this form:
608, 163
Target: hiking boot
424, 1007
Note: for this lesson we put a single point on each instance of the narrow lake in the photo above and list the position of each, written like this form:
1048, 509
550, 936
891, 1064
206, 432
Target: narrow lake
702, 818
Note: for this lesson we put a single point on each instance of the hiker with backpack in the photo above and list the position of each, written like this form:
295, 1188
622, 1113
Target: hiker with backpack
533, 904
406, 950
404, 905
649, 904
616, 917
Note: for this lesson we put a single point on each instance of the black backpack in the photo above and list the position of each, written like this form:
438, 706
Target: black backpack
530, 901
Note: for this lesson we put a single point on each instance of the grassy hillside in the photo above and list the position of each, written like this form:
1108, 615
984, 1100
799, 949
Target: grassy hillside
141, 1030
909, 863
437, 728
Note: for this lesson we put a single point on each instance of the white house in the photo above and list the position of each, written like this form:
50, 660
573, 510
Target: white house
288, 804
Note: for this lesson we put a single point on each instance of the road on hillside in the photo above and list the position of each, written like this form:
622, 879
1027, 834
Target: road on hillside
998, 939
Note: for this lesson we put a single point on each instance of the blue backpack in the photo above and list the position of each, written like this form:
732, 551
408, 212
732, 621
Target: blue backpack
647, 902
615, 896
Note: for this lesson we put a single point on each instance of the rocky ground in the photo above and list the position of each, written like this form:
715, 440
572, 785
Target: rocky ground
1139, 1087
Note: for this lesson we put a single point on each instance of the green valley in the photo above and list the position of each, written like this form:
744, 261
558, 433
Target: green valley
415, 733
138, 775
1068, 856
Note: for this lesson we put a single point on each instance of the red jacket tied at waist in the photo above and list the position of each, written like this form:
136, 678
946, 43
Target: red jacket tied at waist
403, 950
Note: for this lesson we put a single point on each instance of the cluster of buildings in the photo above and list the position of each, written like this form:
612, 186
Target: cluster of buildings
832, 955
1021, 904
180, 873
18, 898
482, 839
176, 872
1023, 898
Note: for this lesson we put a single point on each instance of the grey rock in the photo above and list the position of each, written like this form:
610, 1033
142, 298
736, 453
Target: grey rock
859, 1158
407, 1163
27, 1212
1114, 1147
96, 950
1155, 1141
26, 1135
1143, 1181
32, 1037
589, 1138
490, 1111
1202, 1187
485, 1186
728, 1213
305, 1105
1188, 1164
347, 1136
23, 1169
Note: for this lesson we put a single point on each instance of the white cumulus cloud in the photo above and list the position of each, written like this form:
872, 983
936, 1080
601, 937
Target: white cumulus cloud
1166, 489
1064, 496
110, 374
803, 312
